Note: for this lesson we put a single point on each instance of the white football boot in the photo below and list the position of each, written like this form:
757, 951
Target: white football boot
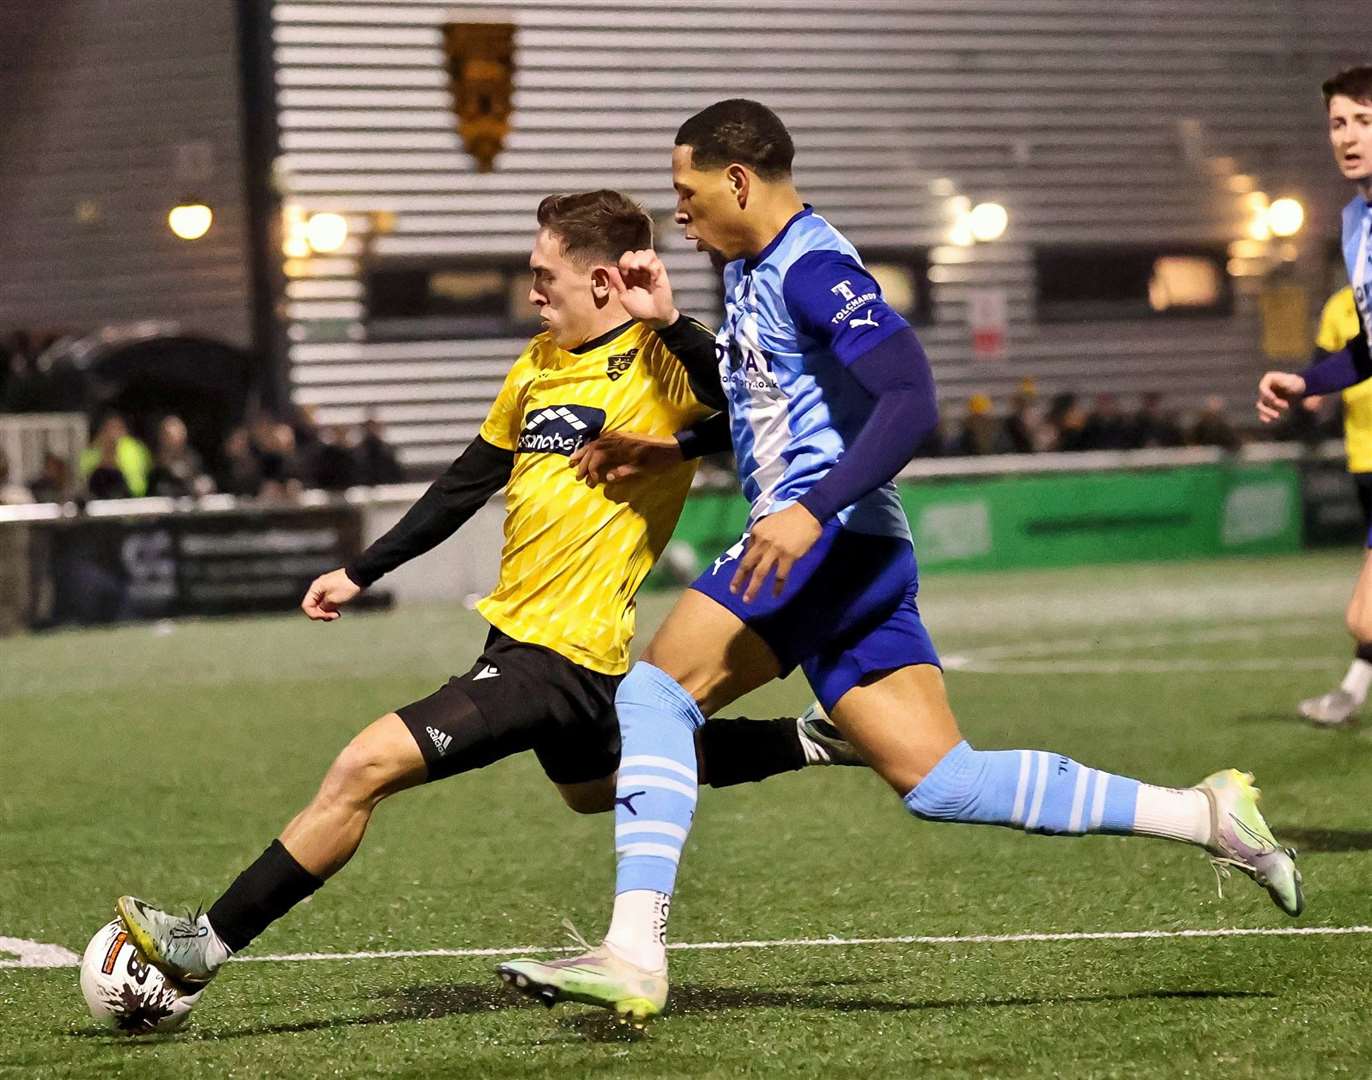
183, 947
1241, 839
823, 743
1338, 708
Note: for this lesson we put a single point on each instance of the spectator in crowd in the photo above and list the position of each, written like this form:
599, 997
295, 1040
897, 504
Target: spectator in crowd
11, 493
1023, 432
1212, 427
1153, 426
376, 460
177, 470
1105, 427
241, 472
273, 442
122, 460
1066, 422
53, 483
332, 466
304, 423
979, 431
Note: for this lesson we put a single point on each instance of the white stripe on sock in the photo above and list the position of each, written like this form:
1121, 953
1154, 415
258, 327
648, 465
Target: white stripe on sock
1078, 799
1017, 814
1039, 788
649, 761
661, 828
646, 781
1098, 803
662, 851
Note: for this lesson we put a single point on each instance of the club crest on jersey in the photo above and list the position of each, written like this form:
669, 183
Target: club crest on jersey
617, 365
559, 429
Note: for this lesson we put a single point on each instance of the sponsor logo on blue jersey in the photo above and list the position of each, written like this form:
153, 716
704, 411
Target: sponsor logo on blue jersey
559, 429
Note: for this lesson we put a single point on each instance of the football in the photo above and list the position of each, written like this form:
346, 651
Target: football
125, 991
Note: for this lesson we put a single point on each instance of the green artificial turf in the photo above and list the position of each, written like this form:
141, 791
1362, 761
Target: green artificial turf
160, 760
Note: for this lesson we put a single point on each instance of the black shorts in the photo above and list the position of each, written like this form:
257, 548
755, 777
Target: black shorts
1364, 482
520, 697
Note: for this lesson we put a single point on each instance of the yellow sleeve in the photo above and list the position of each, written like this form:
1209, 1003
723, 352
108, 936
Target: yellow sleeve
507, 411
675, 385
1338, 321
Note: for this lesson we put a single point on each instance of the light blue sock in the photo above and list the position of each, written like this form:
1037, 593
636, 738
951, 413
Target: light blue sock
655, 797
1033, 790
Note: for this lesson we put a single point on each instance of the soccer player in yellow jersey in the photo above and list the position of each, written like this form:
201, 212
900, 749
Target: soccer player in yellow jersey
562, 613
1338, 326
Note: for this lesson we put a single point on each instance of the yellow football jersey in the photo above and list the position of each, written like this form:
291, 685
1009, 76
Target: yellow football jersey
574, 556
1338, 326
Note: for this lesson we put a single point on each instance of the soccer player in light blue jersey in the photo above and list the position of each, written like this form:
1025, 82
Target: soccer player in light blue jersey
1348, 104
829, 393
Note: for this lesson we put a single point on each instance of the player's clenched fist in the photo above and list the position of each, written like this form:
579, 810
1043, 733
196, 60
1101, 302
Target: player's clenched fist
326, 594
1276, 391
642, 286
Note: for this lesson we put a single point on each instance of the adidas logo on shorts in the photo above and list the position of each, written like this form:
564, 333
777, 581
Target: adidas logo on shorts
442, 740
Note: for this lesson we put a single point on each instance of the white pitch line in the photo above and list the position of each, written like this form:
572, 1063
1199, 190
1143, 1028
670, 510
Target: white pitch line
806, 943
792, 943
973, 665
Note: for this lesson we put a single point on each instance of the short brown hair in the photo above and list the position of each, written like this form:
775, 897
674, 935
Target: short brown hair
596, 226
1354, 82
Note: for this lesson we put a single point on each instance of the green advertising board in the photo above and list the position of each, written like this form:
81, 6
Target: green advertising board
1066, 519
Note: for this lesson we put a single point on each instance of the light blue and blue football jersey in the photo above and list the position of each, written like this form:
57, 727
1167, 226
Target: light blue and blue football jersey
1357, 253
795, 317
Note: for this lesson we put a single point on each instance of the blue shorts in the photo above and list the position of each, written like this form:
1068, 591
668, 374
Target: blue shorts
848, 610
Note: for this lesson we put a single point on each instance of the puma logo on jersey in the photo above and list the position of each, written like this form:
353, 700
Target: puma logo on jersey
868, 320
490, 671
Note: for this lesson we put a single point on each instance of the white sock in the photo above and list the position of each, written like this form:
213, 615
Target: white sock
216, 952
1358, 679
638, 928
1174, 813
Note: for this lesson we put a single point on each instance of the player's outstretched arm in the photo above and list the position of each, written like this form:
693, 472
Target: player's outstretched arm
623, 455
327, 593
1276, 391
478, 473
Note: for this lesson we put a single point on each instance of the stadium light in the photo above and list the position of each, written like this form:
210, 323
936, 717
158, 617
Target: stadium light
988, 221
1285, 217
326, 232
190, 221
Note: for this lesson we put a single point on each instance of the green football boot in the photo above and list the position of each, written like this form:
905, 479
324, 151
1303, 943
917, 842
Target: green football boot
596, 977
1240, 838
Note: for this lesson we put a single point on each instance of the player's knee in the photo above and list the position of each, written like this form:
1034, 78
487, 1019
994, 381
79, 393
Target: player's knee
364, 772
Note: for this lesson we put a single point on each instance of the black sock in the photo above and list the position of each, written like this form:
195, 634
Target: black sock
1363, 652
740, 751
260, 895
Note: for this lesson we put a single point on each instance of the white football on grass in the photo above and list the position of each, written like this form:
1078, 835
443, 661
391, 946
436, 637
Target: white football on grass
128, 993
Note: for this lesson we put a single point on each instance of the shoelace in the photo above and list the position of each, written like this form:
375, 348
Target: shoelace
577, 938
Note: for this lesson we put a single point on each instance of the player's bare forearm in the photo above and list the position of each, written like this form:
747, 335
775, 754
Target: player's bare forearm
622, 455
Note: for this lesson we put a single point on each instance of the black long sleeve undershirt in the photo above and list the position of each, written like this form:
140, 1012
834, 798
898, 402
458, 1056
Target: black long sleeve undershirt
708, 436
478, 473
692, 343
